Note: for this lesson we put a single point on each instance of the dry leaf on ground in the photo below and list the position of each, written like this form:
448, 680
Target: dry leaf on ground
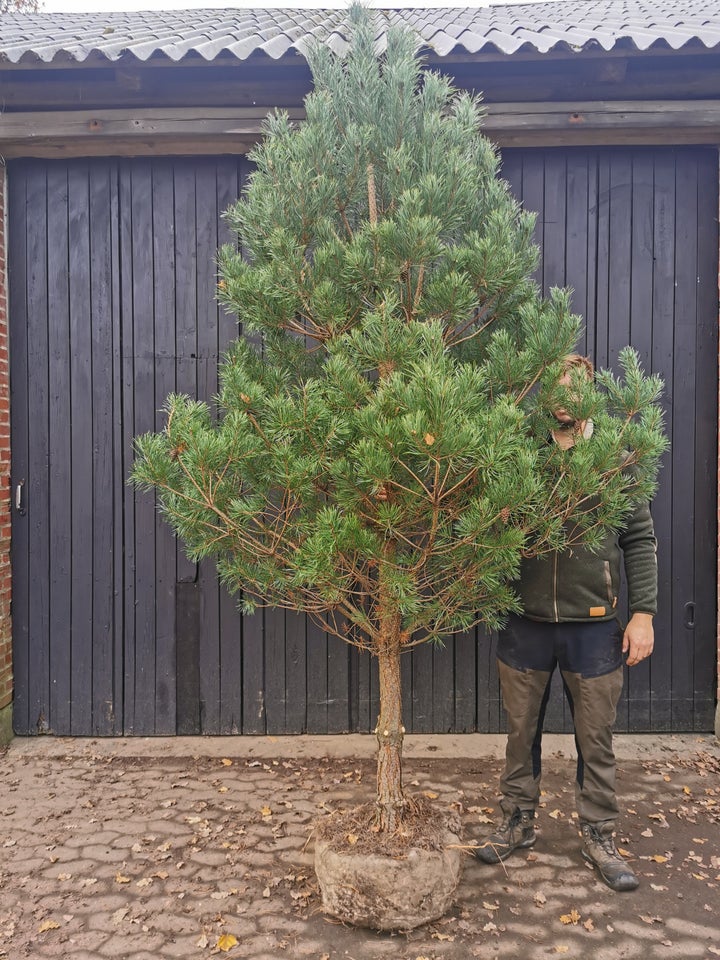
226, 942
571, 917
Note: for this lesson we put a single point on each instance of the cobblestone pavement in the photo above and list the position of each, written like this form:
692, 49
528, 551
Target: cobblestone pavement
118, 850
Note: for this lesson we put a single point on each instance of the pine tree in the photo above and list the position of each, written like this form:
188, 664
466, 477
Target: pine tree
379, 458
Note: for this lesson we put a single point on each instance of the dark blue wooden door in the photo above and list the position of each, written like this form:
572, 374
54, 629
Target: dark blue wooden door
112, 280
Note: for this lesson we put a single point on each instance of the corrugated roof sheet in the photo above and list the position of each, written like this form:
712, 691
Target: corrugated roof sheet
542, 27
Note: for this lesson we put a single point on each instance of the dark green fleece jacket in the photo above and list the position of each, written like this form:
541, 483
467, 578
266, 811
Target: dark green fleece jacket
579, 585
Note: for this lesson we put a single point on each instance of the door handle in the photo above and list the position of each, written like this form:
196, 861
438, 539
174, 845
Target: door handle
690, 615
19, 498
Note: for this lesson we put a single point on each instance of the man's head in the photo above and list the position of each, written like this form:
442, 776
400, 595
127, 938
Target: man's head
573, 364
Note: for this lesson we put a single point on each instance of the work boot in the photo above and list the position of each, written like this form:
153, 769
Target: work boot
516, 833
600, 850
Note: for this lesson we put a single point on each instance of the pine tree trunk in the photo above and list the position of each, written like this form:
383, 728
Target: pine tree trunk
391, 801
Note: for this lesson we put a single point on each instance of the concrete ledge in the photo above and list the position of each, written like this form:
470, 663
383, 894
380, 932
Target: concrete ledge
417, 746
6, 730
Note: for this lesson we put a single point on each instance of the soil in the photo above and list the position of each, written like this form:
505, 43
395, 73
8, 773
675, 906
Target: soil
423, 827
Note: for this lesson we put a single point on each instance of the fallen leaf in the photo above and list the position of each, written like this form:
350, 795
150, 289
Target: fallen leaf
489, 927
64, 876
658, 886
531, 857
623, 852
589, 925
266, 892
429, 439
561, 949
714, 950
540, 899
203, 942
430, 794
687, 791
491, 906
225, 762
555, 814
119, 915
119, 878
571, 917
436, 935
647, 833
145, 882
49, 925
647, 919
666, 943
658, 858
226, 942
352, 839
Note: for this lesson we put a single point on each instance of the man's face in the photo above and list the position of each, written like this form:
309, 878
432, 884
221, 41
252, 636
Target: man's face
560, 413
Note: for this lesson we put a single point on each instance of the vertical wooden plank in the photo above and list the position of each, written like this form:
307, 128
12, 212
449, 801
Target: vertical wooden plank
275, 675
60, 448
253, 628
129, 497
121, 465
590, 338
706, 435
232, 668
254, 694
533, 198
577, 229
102, 227
602, 260
38, 480
233, 633
188, 263
141, 308
489, 704
362, 720
684, 519
554, 220
81, 446
207, 226
338, 692
164, 240
295, 673
465, 689
421, 692
443, 693
317, 679
620, 253
187, 638
18, 175
511, 171
637, 680
662, 363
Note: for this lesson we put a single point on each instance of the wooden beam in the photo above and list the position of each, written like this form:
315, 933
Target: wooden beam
198, 130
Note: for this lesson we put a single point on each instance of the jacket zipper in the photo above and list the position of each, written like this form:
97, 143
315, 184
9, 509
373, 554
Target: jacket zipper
555, 597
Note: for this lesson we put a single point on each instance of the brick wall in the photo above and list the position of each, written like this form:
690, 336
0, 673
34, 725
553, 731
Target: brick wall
5, 576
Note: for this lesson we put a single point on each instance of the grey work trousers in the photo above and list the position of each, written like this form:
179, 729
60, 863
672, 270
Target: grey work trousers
590, 657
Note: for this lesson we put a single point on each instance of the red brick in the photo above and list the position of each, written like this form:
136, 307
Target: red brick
5, 572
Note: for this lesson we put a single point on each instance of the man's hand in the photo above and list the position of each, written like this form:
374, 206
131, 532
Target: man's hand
639, 638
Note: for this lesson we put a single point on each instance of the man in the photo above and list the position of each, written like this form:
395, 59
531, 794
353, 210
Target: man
569, 601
